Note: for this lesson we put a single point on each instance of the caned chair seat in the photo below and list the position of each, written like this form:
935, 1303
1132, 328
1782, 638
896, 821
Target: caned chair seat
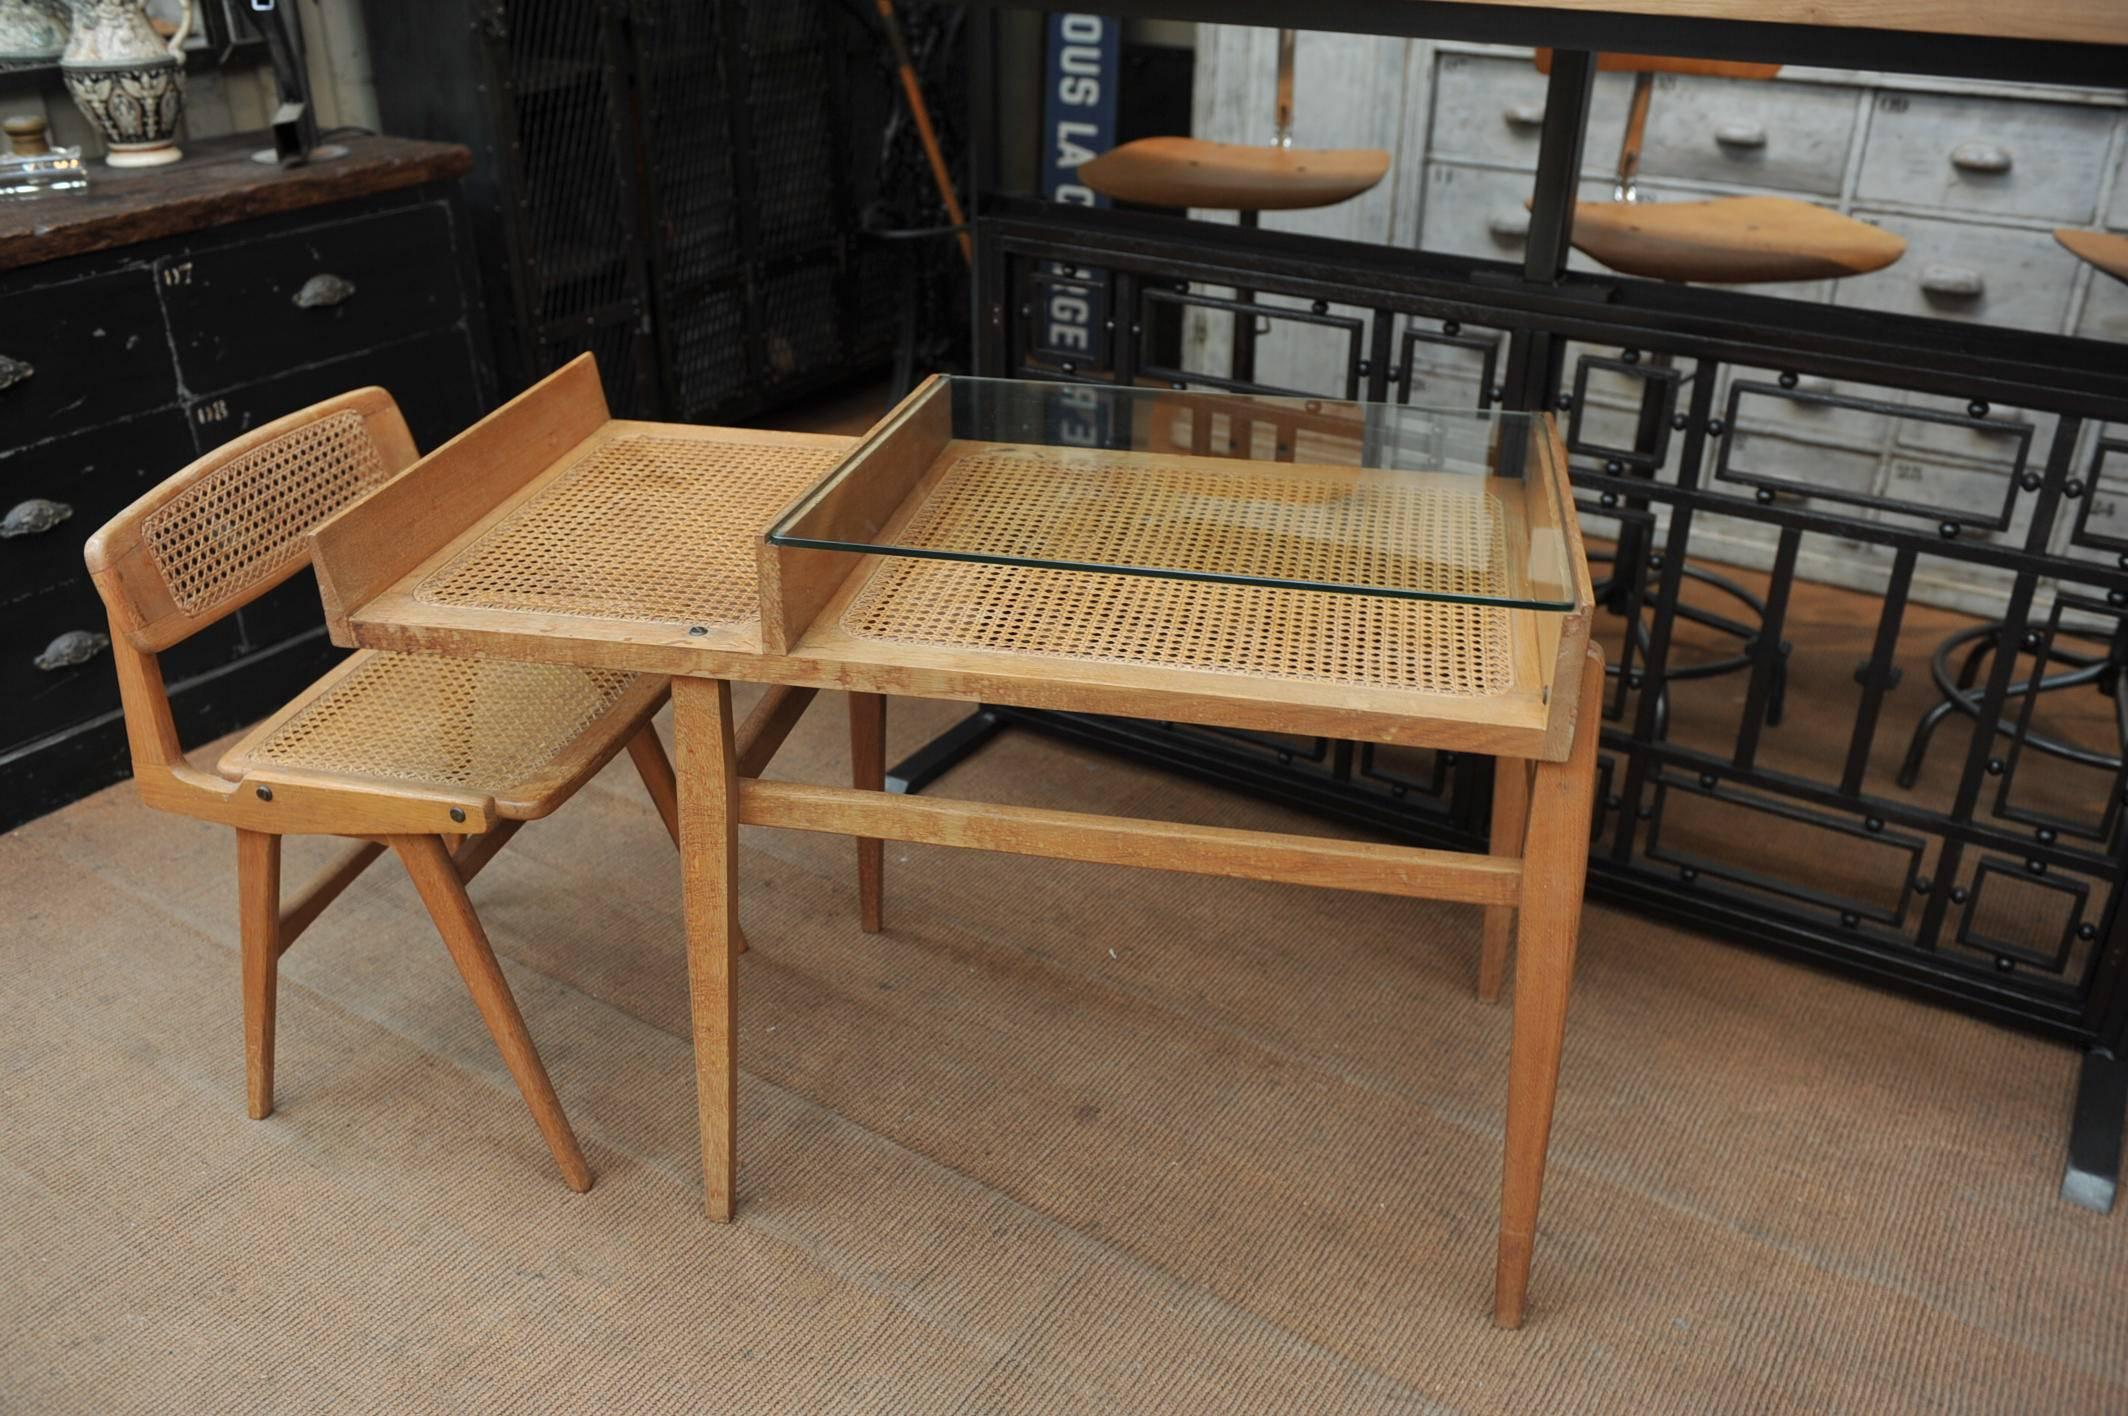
438, 760
1731, 240
525, 734
1193, 172
2108, 250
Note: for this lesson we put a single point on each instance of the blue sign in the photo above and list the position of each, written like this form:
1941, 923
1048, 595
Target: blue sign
1078, 124
1079, 103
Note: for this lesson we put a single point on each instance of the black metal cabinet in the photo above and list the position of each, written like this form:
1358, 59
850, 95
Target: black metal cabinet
122, 366
677, 186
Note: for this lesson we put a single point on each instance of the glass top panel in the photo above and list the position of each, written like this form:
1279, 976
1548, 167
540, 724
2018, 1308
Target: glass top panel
1317, 494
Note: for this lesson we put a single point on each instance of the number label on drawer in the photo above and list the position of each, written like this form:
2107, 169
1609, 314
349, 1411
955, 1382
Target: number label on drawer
178, 274
1891, 103
210, 413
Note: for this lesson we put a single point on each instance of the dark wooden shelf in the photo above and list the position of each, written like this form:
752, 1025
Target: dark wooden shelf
217, 183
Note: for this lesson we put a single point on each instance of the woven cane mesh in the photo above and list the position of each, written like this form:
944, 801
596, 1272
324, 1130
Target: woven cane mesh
646, 528
246, 521
1249, 522
486, 725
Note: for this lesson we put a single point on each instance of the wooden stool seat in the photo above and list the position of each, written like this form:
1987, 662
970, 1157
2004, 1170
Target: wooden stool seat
1232, 176
527, 735
2108, 250
1731, 240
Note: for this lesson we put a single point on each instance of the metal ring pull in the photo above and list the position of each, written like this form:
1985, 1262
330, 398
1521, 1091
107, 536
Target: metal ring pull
1524, 115
322, 292
33, 518
1980, 157
76, 646
1508, 225
1740, 135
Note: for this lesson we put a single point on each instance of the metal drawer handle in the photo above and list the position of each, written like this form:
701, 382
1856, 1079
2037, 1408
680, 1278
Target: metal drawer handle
1508, 225
33, 518
1980, 157
13, 371
323, 292
1953, 283
76, 646
1524, 115
1740, 135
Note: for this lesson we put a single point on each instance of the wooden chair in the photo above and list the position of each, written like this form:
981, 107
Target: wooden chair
439, 759
1238, 177
1723, 240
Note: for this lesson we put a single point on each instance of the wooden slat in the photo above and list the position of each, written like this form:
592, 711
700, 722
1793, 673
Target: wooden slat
796, 581
1114, 840
379, 538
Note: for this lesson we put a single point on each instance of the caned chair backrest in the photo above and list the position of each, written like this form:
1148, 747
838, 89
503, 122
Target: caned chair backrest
236, 523
212, 539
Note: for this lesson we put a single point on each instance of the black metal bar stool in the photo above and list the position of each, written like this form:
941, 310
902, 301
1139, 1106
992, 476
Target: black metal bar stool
1238, 177
1725, 241
2108, 252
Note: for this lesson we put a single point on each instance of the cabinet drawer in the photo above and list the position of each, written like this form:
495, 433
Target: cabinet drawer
242, 313
2117, 209
92, 476
78, 353
431, 378
2105, 313
1994, 155
42, 699
1765, 407
1794, 137
1481, 211
1490, 108
1790, 468
1972, 496
1996, 444
1955, 270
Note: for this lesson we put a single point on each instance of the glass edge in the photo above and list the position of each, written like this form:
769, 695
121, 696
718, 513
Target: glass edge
1206, 577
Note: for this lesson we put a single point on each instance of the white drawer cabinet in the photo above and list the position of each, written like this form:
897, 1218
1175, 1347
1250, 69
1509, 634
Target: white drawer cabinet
1484, 211
1739, 132
1961, 270
2003, 156
1974, 176
1489, 108
2105, 313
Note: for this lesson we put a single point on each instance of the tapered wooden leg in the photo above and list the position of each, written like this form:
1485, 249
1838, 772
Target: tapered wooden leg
258, 890
1510, 817
435, 876
703, 745
655, 769
1555, 859
868, 772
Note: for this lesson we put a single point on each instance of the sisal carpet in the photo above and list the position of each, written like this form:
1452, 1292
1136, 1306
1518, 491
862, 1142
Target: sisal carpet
1064, 1138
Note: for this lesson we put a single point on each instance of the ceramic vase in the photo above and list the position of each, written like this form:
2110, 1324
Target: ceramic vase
127, 79
32, 30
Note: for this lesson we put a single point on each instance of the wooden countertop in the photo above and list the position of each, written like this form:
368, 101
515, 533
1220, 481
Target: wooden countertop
217, 183
2059, 21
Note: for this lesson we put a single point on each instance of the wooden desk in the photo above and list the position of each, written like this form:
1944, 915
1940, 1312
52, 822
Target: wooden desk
549, 532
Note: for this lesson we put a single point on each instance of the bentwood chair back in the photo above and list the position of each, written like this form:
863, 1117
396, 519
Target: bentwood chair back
438, 759
1723, 240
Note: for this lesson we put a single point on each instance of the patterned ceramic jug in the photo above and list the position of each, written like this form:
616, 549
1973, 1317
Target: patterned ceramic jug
127, 79
32, 30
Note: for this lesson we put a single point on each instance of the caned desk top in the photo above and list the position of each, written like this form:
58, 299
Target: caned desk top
551, 532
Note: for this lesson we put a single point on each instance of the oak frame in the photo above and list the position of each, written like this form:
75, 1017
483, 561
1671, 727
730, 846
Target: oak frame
1531, 882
